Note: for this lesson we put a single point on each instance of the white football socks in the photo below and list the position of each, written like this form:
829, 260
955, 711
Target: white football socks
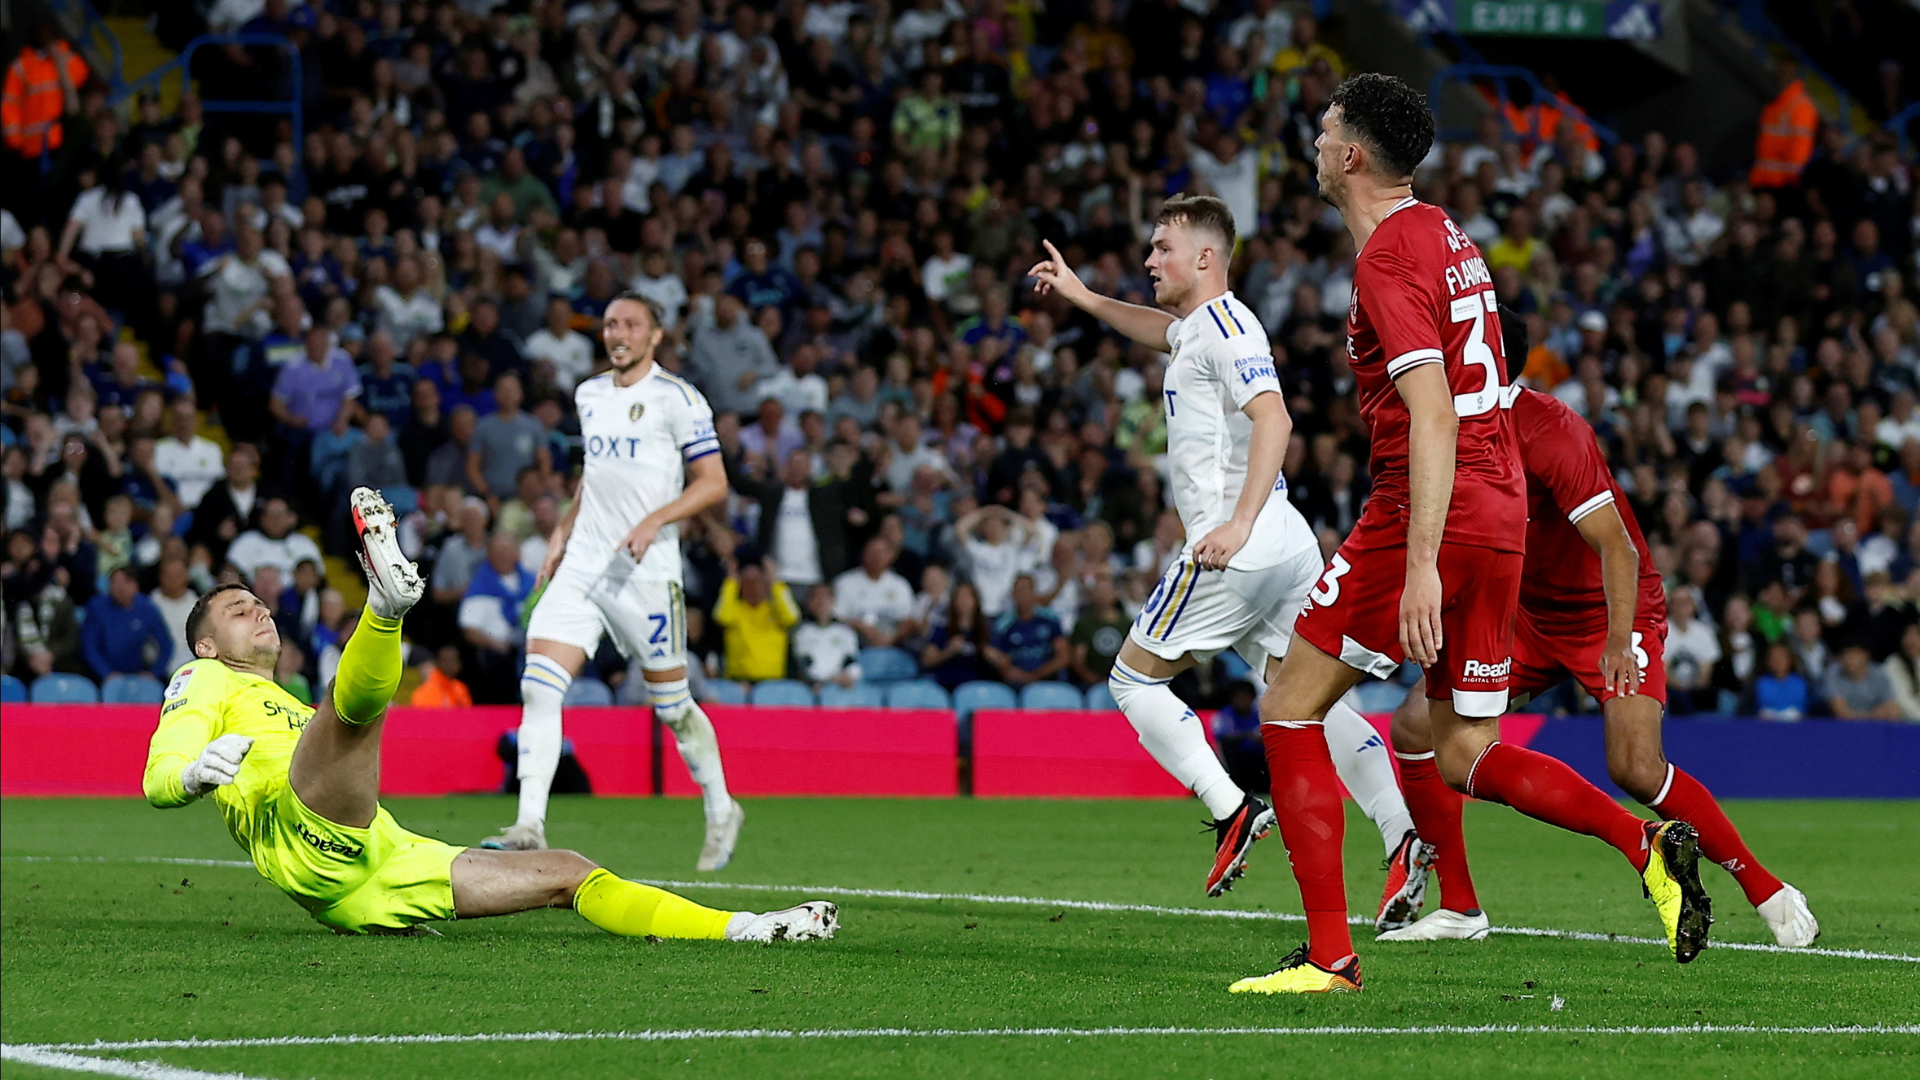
1361, 757
1173, 735
543, 686
699, 747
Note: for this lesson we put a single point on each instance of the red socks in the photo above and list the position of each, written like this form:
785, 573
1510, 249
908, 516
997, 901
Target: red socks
1313, 824
1688, 800
1436, 817
1548, 789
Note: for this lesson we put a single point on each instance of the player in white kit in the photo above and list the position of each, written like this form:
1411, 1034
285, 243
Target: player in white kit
1250, 557
613, 566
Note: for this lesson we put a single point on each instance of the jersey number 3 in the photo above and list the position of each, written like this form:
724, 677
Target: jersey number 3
1474, 309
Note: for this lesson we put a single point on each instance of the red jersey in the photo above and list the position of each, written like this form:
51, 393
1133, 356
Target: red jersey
1422, 294
1567, 479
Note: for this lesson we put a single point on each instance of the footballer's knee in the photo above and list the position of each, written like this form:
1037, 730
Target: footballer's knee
1639, 773
1412, 728
569, 869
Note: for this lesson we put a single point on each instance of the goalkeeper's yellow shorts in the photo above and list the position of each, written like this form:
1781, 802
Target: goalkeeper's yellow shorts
356, 881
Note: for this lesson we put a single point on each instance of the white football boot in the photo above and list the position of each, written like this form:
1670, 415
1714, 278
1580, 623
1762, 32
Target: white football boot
394, 583
520, 836
815, 920
721, 836
1443, 925
1787, 914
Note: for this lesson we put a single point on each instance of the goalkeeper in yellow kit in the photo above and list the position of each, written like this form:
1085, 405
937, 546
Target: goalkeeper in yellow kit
299, 786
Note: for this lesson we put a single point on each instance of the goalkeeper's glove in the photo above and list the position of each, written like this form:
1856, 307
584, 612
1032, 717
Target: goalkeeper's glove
218, 764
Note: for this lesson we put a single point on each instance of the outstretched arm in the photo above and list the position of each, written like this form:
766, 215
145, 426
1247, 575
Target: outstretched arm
1146, 325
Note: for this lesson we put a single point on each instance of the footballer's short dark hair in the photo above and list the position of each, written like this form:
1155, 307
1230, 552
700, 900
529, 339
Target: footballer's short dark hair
653, 307
1199, 212
1390, 117
197, 618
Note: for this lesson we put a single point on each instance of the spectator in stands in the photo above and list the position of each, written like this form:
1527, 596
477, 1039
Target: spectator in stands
804, 524
1692, 650
45, 623
440, 686
274, 543
730, 357
174, 598
504, 443
565, 350
827, 650
1903, 672
125, 634
460, 554
755, 611
1099, 633
872, 598
955, 652
1781, 693
1236, 730
450, 463
1855, 688
313, 392
376, 462
995, 540
1027, 644
189, 461
490, 620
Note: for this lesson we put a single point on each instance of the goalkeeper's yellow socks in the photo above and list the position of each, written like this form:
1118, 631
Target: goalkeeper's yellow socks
371, 664
631, 909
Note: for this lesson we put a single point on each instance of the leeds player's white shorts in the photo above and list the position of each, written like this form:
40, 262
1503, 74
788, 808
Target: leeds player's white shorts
647, 617
1204, 612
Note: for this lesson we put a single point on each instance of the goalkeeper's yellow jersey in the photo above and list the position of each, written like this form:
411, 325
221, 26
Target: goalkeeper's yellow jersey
208, 699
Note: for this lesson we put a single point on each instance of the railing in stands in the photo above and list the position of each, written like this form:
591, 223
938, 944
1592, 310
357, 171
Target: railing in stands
182, 66
1500, 75
93, 30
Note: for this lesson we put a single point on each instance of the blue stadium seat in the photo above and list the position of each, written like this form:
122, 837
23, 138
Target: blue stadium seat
727, 692
917, 694
1051, 695
1100, 698
858, 696
60, 688
131, 690
781, 692
885, 665
12, 690
588, 691
972, 696
1236, 667
1374, 696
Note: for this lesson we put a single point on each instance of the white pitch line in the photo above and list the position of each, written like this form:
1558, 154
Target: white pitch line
690, 1034
1082, 905
138, 1070
1239, 913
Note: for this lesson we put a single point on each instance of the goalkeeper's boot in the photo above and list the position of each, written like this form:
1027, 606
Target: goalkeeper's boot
1406, 890
1234, 836
1299, 975
520, 836
1443, 925
1672, 881
1789, 917
721, 836
815, 920
394, 584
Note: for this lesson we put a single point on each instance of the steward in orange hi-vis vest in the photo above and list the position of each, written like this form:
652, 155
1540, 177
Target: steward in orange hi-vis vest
1787, 127
34, 101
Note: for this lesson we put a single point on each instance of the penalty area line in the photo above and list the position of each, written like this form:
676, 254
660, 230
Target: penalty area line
1072, 905
691, 1034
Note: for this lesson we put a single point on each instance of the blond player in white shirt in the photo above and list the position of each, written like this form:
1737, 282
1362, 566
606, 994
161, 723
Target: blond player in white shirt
1250, 558
613, 566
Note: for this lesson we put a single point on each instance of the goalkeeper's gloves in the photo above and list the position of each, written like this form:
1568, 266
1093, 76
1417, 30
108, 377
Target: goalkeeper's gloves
218, 764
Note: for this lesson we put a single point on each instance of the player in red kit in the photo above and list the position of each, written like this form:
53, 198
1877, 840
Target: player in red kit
1432, 569
1592, 607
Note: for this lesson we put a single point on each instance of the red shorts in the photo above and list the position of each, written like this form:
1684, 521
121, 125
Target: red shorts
1353, 614
1547, 650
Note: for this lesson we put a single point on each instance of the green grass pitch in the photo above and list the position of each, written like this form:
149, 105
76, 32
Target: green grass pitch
117, 949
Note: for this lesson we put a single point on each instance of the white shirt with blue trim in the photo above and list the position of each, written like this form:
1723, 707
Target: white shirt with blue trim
1221, 360
638, 440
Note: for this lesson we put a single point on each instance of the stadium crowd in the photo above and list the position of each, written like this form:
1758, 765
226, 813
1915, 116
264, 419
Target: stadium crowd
213, 334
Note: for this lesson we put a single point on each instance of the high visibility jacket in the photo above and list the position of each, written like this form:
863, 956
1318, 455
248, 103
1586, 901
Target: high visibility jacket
1539, 123
1787, 127
32, 103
